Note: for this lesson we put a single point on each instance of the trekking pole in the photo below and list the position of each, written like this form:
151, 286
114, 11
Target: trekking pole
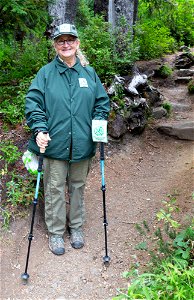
106, 258
25, 275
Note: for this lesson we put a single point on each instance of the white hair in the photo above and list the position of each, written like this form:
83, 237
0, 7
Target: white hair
83, 60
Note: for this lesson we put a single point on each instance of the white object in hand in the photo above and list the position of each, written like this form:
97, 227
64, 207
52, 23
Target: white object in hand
99, 131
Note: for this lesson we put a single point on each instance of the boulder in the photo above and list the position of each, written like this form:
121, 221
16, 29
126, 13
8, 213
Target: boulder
117, 127
181, 130
185, 72
180, 107
182, 79
184, 61
159, 112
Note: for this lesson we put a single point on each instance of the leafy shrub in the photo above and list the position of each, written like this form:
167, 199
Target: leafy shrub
180, 22
177, 16
154, 39
20, 190
84, 13
191, 86
18, 62
165, 71
96, 43
6, 216
168, 106
19, 18
168, 281
170, 274
9, 152
13, 101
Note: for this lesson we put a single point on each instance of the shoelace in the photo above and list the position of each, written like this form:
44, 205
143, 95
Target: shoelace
77, 236
57, 241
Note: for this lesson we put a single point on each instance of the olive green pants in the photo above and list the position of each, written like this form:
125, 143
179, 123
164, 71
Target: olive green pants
57, 176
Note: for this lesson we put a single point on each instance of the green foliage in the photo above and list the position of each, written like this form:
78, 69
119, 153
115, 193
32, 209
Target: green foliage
13, 101
23, 51
168, 281
183, 244
96, 43
191, 86
165, 213
165, 71
168, 239
153, 39
18, 62
84, 14
181, 23
6, 215
176, 15
115, 50
19, 18
171, 275
9, 152
168, 106
20, 190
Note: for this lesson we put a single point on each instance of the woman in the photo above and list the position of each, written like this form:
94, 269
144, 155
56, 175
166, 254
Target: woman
64, 97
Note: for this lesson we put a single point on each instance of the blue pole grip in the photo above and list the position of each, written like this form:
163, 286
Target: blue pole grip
102, 172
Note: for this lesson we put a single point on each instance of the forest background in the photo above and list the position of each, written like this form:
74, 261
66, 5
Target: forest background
161, 27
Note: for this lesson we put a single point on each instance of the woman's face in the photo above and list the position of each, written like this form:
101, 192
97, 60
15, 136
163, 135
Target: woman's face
66, 46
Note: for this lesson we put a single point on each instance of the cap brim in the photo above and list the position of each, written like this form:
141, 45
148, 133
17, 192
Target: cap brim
62, 33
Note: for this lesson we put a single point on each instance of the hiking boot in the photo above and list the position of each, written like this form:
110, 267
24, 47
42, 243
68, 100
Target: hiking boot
77, 239
56, 244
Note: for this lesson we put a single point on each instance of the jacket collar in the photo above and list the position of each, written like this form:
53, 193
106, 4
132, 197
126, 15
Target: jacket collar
63, 67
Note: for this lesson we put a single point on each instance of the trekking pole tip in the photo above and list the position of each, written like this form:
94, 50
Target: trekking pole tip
25, 277
106, 260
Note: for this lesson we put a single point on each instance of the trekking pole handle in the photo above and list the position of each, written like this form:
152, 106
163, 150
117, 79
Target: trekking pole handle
40, 162
42, 151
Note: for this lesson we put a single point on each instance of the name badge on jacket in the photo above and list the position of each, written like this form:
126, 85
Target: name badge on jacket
83, 82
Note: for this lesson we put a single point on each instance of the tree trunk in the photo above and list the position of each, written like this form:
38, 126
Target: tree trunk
113, 10
125, 8
61, 11
101, 7
135, 11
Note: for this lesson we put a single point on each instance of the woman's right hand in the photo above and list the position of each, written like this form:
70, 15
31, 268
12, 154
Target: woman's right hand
42, 140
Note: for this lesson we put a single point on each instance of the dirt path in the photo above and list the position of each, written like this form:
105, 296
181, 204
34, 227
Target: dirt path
138, 177
140, 171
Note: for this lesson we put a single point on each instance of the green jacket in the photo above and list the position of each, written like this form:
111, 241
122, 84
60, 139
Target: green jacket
63, 101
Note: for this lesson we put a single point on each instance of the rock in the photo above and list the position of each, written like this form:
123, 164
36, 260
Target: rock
150, 68
185, 72
181, 130
184, 48
184, 60
159, 112
117, 127
137, 121
185, 79
180, 107
152, 95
